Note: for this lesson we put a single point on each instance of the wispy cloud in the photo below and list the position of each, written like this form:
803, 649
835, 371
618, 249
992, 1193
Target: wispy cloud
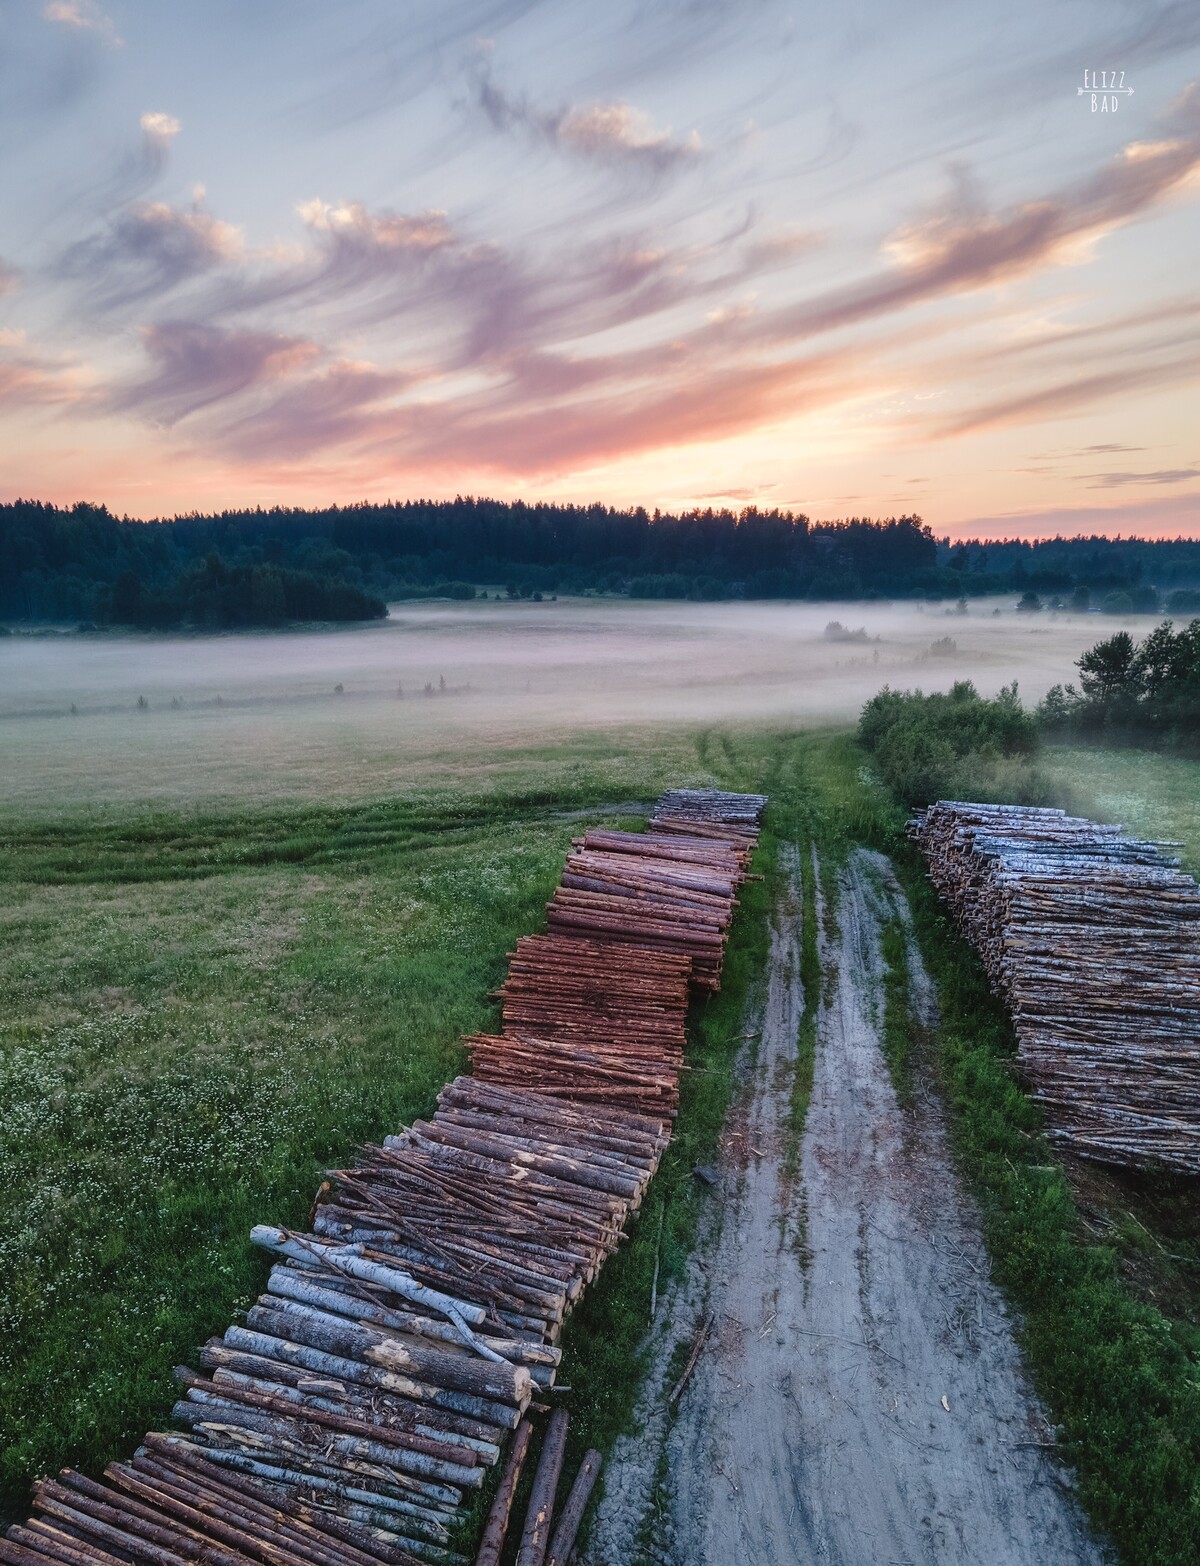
545, 406
149, 249
743, 494
1158, 476
132, 173
1105, 446
29, 378
344, 404
506, 430
1065, 397
196, 365
961, 246
616, 131
83, 16
351, 223
616, 134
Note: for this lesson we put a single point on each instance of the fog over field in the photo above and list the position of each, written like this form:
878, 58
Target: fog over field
259, 716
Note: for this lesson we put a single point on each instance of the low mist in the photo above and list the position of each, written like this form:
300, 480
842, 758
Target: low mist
93, 719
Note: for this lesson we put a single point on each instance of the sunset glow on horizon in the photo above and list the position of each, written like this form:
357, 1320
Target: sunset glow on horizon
872, 262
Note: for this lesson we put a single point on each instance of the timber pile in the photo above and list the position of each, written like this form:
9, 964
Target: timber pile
671, 891
352, 1417
598, 1021
707, 812
1092, 939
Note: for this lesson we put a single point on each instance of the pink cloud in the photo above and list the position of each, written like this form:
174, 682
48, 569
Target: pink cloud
1064, 397
328, 410
83, 16
29, 378
197, 365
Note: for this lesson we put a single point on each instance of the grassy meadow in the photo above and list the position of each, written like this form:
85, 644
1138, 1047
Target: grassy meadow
195, 1025
1155, 795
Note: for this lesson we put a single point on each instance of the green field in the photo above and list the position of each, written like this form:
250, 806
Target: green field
200, 1014
1155, 795
204, 1007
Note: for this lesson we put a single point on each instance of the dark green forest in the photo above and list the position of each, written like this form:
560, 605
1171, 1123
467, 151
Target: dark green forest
81, 563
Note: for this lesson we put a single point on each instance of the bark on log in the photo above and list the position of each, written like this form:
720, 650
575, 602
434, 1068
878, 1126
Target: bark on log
496, 1527
571, 1513
535, 1536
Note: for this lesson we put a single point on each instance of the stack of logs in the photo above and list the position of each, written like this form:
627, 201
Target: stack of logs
662, 889
353, 1416
1092, 939
601, 1022
707, 812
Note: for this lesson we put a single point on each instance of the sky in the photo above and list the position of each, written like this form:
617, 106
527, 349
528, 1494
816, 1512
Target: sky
863, 259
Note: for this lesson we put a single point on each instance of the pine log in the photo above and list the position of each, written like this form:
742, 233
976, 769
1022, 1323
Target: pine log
535, 1536
496, 1527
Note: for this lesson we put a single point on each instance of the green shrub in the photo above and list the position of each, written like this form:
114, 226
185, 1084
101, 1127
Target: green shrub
956, 744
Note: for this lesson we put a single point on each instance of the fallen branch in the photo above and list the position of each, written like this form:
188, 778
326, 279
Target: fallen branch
697, 1346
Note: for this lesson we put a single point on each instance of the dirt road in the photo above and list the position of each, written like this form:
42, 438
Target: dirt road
861, 1399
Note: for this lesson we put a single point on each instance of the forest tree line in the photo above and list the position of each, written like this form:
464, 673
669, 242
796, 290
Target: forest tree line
83, 563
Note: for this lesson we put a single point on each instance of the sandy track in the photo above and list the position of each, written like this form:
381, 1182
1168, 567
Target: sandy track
846, 1309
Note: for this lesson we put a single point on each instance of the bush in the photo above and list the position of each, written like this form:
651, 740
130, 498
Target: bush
956, 745
835, 631
1138, 600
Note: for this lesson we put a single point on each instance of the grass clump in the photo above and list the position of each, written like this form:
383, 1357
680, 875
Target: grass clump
899, 1021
